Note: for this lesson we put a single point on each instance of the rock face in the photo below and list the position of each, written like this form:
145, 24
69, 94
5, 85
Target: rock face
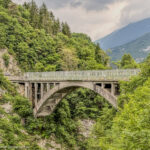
86, 127
12, 67
50, 144
7, 107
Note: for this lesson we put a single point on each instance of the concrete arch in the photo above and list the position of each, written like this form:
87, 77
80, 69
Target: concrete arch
50, 100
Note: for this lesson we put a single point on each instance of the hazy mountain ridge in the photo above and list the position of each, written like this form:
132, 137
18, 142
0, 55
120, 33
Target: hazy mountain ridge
138, 48
125, 35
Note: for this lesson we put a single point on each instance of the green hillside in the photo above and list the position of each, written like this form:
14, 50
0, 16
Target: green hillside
129, 128
139, 49
39, 42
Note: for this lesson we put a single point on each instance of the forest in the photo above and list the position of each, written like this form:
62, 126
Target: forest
40, 42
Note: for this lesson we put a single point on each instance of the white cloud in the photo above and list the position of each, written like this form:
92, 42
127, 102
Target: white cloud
93, 23
20, 1
97, 18
134, 11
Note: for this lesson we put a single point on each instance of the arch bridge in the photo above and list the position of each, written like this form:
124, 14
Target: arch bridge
47, 89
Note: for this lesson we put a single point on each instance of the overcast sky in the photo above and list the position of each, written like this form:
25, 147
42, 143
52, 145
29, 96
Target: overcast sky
97, 18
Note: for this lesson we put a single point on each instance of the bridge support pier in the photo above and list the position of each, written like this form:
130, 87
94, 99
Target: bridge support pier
27, 89
48, 87
112, 88
42, 90
35, 93
103, 85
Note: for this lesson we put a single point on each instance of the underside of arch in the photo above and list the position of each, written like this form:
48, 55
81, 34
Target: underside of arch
49, 101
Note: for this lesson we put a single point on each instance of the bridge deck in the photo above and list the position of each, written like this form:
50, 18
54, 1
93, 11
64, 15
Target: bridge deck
99, 75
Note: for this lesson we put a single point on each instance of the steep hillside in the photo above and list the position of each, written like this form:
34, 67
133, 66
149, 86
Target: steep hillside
129, 129
139, 49
39, 42
125, 34
46, 45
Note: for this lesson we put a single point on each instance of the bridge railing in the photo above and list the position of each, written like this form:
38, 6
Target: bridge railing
97, 75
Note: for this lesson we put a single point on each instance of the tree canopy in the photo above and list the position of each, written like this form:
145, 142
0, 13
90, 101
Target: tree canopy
127, 62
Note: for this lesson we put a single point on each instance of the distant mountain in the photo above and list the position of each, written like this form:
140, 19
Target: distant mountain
138, 48
126, 34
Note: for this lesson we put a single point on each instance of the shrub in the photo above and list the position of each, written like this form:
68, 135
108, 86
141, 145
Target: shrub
6, 59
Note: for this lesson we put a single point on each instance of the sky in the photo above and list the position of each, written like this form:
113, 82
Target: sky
97, 18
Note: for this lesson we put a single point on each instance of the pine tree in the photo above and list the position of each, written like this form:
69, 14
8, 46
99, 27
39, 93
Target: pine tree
56, 27
5, 3
26, 5
33, 14
66, 29
42, 16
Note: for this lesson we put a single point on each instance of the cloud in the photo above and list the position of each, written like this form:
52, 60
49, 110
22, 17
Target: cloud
94, 23
97, 18
86, 4
135, 10
20, 1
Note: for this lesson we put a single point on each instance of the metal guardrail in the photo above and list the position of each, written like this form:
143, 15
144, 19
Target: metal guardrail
94, 75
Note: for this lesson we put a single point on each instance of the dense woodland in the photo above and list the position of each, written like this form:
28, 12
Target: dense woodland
40, 42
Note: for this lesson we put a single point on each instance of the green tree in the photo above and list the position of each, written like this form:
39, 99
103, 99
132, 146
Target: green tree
66, 29
69, 60
34, 14
45, 21
127, 62
56, 27
5, 3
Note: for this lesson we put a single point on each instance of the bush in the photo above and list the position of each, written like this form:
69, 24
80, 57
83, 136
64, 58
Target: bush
6, 59
22, 106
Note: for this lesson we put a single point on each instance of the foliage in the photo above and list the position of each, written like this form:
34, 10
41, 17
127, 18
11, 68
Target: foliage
39, 42
126, 62
6, 85
63, 123
6, 59
22, 106
130, 127
5, 3
35, 38
13, 134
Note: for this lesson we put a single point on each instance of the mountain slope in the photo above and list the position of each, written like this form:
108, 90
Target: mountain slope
138, 48
47, 48
126, 34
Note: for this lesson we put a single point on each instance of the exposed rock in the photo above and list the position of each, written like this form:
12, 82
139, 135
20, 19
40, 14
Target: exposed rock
21, 89
2, 92
50, 144
12, 68
7, 107
23, 121
24, 132
86, 127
